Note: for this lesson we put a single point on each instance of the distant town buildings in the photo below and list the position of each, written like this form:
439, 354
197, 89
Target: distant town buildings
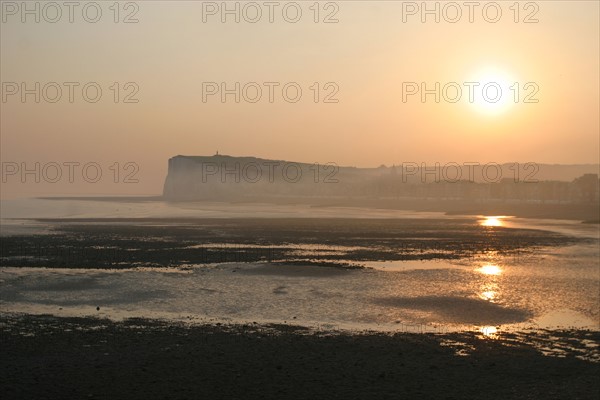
222, 177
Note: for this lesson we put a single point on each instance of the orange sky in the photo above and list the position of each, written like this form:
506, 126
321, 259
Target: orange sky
368, 54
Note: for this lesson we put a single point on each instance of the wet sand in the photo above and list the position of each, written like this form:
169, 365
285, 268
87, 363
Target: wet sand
172, 242
46, 357
58, 357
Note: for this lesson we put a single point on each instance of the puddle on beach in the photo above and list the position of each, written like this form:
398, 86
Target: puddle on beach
389, 296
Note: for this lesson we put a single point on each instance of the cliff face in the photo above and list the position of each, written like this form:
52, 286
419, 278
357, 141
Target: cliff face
226, 178
223, 177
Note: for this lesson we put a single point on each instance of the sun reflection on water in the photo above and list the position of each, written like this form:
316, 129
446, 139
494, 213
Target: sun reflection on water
492, 221
489, 331
490, 269
488, 295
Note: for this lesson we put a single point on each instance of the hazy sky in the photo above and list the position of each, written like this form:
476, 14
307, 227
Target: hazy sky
367, 55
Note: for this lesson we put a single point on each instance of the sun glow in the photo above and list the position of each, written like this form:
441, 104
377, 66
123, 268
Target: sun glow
493, 91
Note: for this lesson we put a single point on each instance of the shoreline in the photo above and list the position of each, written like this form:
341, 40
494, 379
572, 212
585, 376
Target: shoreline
51, 357
584, 212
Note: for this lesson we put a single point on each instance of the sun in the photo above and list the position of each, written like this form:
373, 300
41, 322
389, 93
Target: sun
492, 91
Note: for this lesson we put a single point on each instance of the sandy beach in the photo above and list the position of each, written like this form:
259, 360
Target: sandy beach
300, 309
46, 357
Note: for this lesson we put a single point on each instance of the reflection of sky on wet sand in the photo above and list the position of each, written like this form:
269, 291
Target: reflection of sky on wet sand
553, 287
491, 291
